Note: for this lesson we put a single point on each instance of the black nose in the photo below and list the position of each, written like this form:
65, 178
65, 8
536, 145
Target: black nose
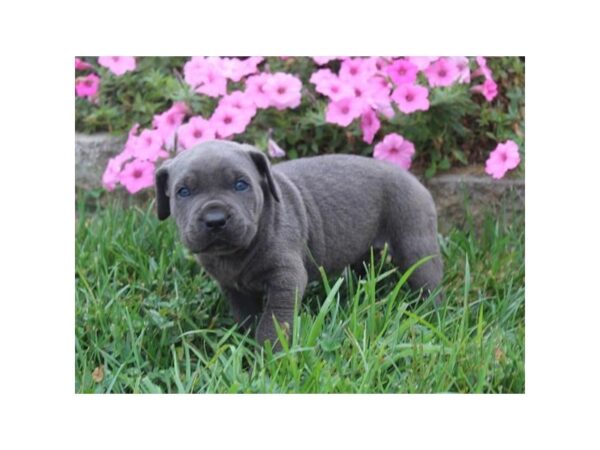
214, 219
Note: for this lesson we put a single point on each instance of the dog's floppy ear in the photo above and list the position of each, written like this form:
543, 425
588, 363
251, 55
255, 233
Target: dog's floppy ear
264, 168
163, 208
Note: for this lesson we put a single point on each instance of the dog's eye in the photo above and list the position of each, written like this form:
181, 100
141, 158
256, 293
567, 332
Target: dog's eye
241, 185
183, 192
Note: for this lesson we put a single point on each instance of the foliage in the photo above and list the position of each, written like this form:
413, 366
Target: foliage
459, 127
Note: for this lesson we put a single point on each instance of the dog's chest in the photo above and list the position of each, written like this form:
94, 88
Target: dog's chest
233, 274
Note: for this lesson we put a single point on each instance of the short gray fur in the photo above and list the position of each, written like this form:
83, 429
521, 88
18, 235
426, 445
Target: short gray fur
270, 239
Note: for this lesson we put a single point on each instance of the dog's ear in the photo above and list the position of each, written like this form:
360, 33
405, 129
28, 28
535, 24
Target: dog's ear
163, 208
264, 168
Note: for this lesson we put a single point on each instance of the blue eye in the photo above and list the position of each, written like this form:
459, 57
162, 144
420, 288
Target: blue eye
183, 192
241, 185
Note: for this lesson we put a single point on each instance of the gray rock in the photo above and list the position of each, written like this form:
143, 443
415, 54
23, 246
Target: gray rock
92, 153
460, 198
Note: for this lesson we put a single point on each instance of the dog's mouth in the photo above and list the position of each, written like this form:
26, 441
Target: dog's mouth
221, 243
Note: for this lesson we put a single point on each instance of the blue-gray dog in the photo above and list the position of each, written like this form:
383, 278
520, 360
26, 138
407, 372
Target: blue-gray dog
262, 232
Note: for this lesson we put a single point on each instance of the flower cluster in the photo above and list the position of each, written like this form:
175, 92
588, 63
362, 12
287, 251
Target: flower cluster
366, 87
233, 113
87, 86
365, 91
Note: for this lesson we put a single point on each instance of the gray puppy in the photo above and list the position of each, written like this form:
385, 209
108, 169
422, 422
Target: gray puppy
263, 232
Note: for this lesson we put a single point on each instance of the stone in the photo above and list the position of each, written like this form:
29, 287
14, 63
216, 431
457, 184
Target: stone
92, 152
459, 197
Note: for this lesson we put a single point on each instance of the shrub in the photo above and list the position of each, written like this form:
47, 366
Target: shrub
438, 112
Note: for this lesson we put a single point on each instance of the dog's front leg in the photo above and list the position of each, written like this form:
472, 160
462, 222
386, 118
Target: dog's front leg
245, 307
283, 287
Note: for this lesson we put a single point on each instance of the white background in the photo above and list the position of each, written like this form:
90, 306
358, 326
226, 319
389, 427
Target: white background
38, 406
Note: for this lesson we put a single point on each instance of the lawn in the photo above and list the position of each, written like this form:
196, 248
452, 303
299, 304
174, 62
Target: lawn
149, 320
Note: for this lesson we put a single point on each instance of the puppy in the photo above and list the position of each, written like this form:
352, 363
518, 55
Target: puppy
262, 232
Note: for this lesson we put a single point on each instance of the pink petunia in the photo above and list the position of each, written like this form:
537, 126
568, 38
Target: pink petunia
274, 150
411, 98
422, 62
87, 86
369, 123
283, 90
112, 173
241, 101
148, 146
371, 92
82, 65
235, 69
357, 68
483, 69
168, 122
462, 65
228, 121
255, 89
205, 76
328, 84
117, 64
381, 64
321, 60
137, 175
196, 130
322, 75
402, 71
503, 158
343, 112
489, 89
395, 149
441, 73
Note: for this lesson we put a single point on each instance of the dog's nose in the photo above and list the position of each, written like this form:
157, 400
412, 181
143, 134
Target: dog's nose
214, 219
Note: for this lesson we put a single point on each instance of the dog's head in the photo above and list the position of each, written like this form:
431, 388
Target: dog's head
216, 192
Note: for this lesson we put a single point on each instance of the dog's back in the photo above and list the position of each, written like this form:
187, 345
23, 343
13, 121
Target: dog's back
358, 202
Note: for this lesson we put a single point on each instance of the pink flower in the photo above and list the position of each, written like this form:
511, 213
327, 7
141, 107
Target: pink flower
195, 131
112, 173
137, 175
395, 149
503, 158
274, 150
462, 65
369, 124
328, 84
320, 60
235, 69
371, 92
87, 86
227, 121
411, 98
483, 69
381, 64
357, 68
402, 71
82, 65
148, 146
241, 101
168, 122
255, 88
441, 73
205, 76
343, 112
489, 89
422, 62
117, 64
283, 90
321, 76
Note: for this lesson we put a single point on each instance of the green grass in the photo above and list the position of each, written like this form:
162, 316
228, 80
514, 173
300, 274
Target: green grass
155, 321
